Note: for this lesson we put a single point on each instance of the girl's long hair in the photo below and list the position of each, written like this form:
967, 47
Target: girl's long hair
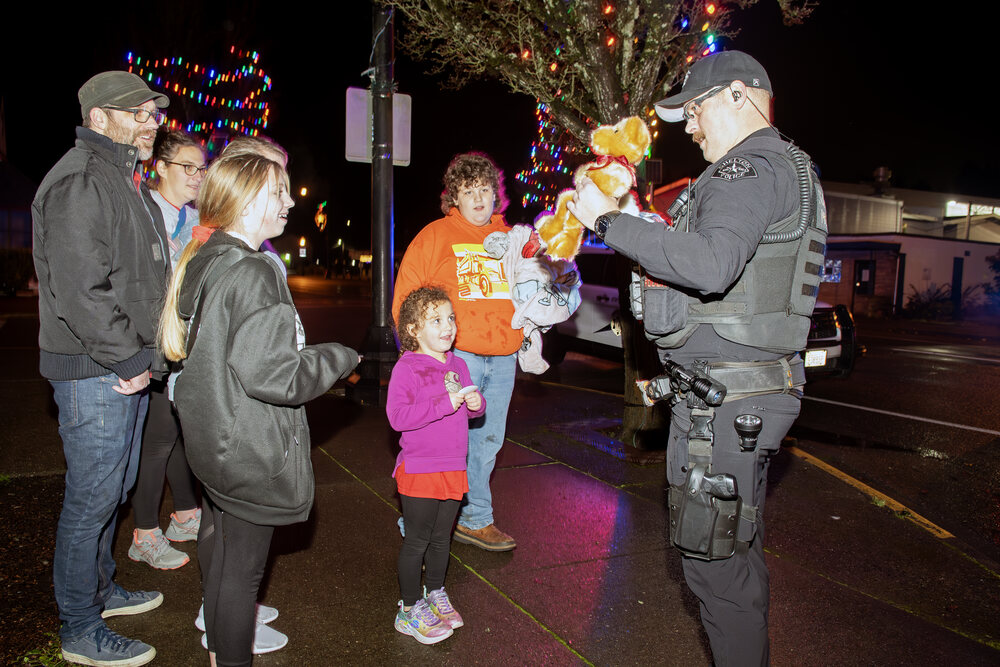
230, 186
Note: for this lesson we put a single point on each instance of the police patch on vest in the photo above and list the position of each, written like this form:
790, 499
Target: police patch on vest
734, 169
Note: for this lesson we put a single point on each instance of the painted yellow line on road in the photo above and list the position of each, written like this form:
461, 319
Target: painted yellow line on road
894, 505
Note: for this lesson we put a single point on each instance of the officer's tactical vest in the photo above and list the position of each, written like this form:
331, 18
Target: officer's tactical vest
770, 304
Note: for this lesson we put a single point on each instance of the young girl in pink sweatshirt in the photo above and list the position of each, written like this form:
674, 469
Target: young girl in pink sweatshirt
430, 401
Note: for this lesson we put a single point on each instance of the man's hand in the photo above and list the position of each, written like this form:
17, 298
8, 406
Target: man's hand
589, 202
133, 386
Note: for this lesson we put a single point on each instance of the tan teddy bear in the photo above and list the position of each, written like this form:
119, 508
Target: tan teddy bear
618, 147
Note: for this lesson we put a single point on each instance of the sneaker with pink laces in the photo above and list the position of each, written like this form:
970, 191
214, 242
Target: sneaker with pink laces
422, 624
441, 606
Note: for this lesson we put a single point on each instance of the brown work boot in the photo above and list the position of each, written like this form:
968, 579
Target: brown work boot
490, 538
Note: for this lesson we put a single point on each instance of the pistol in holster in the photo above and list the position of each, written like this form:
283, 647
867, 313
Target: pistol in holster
705, 514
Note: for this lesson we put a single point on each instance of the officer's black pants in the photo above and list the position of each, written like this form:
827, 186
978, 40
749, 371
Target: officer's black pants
734, 592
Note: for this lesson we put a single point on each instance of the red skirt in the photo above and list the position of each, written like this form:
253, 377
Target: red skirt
449, 485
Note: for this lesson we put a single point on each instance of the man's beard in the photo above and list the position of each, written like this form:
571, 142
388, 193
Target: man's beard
120, 134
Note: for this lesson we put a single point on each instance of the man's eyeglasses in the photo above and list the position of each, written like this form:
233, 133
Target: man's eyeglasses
693, 108
141, 115
189, 169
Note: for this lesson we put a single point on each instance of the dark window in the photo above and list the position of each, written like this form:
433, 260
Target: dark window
864, 276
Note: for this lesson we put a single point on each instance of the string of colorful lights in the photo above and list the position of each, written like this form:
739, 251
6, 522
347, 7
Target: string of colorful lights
703, 48
234, 100
553, 155
710, 45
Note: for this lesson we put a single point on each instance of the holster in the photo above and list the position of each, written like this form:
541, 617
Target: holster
703, 522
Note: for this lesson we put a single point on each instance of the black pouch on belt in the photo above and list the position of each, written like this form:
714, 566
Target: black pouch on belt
705, 514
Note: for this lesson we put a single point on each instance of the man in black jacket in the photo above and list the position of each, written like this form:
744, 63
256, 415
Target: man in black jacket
728, 293
102, 266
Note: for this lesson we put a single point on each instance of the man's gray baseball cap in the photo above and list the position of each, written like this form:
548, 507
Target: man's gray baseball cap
117, 89
718, 69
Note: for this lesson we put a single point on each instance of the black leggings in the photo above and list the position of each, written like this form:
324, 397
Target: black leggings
428, 523
162, 453
232, 554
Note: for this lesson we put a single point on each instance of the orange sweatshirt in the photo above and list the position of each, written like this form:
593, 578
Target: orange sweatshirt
449, 253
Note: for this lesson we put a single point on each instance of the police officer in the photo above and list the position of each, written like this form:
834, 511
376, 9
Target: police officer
726, 293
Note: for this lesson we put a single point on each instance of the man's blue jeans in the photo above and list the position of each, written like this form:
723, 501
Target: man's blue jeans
101, 432
495, 378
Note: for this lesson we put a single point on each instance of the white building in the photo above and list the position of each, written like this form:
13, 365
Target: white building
886, 247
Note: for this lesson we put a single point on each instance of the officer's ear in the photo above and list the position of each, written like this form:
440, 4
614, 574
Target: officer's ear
738, 91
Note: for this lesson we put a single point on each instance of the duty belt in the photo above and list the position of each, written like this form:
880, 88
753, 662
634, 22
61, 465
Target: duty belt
754, 378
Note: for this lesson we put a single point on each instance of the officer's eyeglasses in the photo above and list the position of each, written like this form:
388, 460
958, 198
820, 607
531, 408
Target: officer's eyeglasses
141, 115
693, 108
189, 169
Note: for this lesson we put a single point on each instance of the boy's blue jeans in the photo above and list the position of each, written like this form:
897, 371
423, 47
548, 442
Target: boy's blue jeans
494, 375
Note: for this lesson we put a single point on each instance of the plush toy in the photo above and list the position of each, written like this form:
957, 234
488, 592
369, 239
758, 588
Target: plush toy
618, 147
544, 291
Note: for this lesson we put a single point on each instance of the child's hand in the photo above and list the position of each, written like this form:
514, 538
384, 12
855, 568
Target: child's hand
474, 401
456, 399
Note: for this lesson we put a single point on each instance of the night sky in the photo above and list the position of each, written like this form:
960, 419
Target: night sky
860, 85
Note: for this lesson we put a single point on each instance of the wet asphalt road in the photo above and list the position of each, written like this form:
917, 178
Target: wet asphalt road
919, 420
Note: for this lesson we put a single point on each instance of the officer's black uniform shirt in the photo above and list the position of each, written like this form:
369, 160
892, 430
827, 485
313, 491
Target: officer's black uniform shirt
735, 199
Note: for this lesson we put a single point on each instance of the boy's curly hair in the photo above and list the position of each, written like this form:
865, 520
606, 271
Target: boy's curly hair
414, 310
468, 169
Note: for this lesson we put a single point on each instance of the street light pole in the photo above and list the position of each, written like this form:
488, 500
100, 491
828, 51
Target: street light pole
380, 345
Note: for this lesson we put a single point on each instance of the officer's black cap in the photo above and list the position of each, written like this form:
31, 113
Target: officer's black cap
718, 69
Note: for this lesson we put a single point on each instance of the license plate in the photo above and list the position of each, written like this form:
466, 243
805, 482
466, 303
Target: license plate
815, 358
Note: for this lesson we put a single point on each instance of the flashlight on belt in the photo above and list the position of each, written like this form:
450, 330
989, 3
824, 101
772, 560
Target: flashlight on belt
748, 428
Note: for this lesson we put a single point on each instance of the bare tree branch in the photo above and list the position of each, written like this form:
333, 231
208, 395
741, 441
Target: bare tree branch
590, 61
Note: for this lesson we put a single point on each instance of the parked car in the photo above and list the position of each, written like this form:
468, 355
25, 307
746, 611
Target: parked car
595, 328
832, 346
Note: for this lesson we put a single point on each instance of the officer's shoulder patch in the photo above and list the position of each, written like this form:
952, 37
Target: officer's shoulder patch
734, 169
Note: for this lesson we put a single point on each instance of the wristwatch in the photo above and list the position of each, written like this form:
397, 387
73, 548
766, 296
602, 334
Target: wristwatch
603, 223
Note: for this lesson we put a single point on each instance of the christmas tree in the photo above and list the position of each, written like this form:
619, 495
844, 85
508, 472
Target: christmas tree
554, 156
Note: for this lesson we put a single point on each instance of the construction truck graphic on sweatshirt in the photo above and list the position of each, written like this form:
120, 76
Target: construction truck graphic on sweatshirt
479, 275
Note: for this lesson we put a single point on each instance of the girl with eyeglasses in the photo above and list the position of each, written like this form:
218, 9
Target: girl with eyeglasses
179, 162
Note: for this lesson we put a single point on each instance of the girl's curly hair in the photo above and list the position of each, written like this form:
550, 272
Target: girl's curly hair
414, 310
468, 169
